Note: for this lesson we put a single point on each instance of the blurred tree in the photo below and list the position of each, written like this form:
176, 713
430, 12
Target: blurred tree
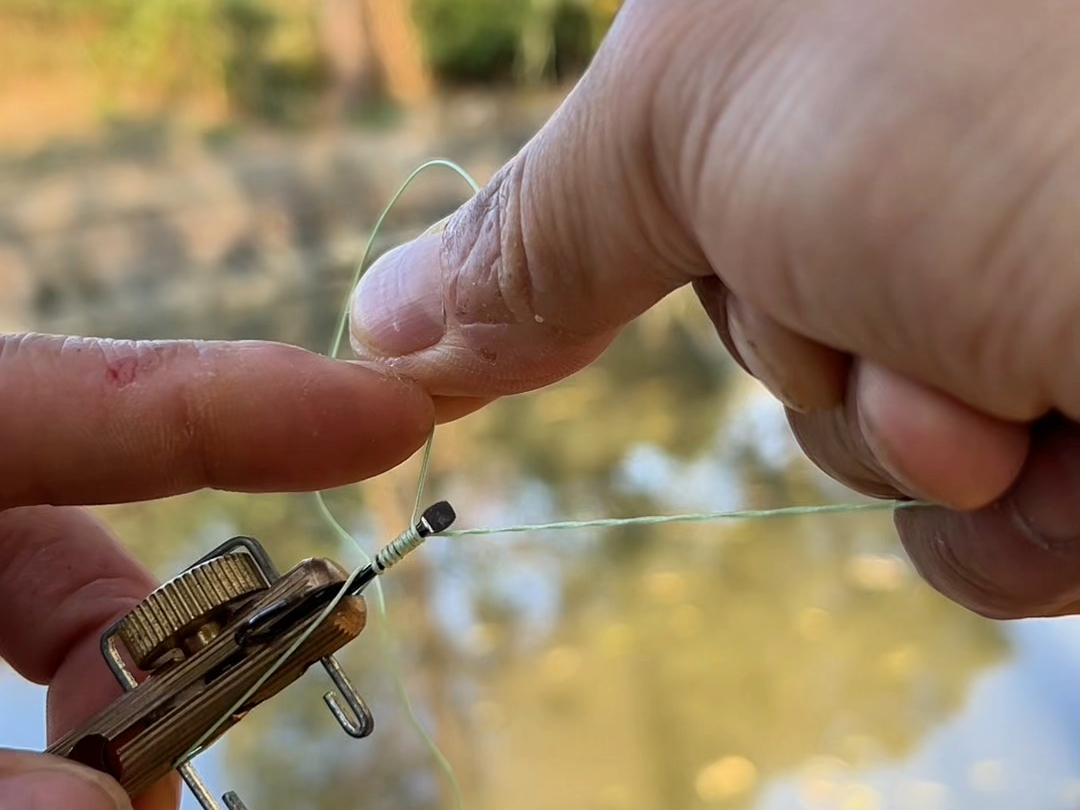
558, 37
261, 85
373, 51
341, 33
396, 43
276, 61
471, 40
503, 40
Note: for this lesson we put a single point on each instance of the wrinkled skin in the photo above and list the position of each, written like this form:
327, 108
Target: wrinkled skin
876, 203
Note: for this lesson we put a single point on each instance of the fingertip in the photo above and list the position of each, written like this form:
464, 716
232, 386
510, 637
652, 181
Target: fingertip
938, 448
283, 419
160, 418
450, 409
986, 561
370, 420
29, 780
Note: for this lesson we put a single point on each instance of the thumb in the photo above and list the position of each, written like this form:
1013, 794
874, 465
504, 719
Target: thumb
533, 278
29, 781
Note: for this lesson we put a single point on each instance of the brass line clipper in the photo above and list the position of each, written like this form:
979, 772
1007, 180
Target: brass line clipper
207, 636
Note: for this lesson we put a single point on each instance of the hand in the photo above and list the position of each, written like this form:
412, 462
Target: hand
877, 203
86, 422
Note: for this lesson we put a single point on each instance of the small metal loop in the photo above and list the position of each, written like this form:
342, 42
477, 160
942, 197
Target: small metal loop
111, 652
187, 771
202, 793
361, 723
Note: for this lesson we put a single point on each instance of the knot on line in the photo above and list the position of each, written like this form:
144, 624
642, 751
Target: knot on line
392, 554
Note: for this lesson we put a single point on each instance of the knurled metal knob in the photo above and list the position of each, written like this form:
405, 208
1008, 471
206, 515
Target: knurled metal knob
188, 607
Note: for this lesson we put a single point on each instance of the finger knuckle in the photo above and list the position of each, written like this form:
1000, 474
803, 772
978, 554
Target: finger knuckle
485, 256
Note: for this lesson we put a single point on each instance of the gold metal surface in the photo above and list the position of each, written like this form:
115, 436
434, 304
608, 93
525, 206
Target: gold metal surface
186, 608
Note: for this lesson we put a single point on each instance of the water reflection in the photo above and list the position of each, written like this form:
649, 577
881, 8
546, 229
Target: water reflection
771, 664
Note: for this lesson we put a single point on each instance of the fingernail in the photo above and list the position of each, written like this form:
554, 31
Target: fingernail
397, 308
438, 227
1046, 500
872, 384
753, 360
36, 780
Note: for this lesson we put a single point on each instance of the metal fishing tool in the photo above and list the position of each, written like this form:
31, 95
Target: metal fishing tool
206, 637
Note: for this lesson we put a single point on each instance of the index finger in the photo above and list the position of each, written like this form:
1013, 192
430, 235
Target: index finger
98, 421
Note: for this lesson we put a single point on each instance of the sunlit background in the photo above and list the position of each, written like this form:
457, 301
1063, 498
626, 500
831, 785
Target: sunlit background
212, 169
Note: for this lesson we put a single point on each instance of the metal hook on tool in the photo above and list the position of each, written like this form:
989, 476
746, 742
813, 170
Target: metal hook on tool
273, 618
357, 723
202, 793
361, 723
434, 520
187, 771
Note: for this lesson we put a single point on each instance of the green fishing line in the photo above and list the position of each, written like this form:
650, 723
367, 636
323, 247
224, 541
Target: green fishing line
335, 346
380, 596
568, 525
689, 517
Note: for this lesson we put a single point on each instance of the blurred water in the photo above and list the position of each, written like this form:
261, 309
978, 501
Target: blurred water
1014, 746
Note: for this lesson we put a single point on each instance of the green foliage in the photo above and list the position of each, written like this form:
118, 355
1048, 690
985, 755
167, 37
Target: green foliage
170, 50
272, 60
260, 85
471, 39
501, 40
174, 44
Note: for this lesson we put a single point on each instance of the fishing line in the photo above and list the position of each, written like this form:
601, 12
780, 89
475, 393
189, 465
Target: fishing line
380, 599
689, 517
568, 525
